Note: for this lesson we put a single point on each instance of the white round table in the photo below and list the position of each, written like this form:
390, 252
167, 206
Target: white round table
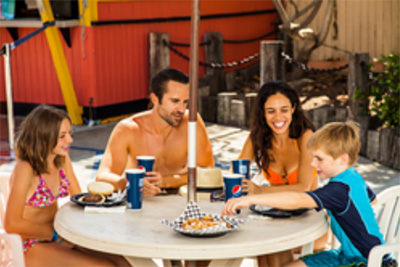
140, 235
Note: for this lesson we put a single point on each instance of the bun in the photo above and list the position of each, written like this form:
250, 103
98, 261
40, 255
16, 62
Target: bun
92, 198
101, 188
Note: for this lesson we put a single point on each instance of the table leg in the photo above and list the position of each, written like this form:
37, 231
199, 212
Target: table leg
138, 262
226, 263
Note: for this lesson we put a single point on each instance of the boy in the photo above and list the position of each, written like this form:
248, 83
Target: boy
346, 198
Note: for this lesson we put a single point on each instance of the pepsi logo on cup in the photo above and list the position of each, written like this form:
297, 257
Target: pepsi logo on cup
237, 190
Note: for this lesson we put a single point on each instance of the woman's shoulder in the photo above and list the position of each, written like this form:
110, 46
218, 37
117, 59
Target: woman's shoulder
304, 137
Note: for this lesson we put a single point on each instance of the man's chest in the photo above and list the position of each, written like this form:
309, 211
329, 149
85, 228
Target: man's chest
170, 153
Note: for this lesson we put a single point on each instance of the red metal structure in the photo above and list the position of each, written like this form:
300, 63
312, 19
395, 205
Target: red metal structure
110, 64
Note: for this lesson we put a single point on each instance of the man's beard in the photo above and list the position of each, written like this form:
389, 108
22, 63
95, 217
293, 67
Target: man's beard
168, 118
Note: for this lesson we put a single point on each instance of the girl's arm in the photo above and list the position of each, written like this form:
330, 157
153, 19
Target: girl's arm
74, 187
280, 200
21, 179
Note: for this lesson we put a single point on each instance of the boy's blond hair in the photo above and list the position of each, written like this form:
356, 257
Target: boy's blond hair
337, 138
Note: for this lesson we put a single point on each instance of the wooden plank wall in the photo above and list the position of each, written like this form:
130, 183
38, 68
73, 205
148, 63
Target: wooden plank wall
371, 26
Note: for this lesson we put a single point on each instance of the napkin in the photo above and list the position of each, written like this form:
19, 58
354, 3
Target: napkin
114, 209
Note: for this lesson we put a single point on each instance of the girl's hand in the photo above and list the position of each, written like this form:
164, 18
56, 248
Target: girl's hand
250, 188
234, 204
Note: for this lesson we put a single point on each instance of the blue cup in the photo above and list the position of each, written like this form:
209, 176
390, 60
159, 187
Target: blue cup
241, 166
145, 162
134, 188
233, 186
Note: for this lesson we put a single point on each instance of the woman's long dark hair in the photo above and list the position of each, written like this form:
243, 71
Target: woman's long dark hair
261, 134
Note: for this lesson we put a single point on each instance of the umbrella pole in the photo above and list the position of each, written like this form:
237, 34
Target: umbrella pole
193, 84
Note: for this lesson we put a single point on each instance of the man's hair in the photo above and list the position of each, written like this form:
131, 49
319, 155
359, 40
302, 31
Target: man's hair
337, 138
38, 135
159, 82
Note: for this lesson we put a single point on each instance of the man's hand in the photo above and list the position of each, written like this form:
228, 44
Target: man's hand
250, 187
151, 184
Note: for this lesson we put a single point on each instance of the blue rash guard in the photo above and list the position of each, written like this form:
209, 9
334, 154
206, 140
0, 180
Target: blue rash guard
347, 200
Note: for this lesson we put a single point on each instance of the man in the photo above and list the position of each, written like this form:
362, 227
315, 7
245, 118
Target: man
160, 132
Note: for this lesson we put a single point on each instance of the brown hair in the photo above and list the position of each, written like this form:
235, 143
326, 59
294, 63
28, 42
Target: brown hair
38, 135
261, 134
337, 138
159, 82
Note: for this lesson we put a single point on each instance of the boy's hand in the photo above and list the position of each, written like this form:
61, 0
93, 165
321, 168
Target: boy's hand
234, 204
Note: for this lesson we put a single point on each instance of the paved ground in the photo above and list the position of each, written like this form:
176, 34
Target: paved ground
90, 142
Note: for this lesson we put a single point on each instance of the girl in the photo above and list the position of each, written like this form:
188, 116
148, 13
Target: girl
42, 174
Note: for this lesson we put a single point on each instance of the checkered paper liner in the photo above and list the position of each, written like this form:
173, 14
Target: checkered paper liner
193, 211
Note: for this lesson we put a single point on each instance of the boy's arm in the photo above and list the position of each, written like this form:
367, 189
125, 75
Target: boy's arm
280, 200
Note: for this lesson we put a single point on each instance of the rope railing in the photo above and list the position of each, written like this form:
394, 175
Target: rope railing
307, 68
213, 65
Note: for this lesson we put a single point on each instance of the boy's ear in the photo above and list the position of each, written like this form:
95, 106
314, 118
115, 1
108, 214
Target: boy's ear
344, 158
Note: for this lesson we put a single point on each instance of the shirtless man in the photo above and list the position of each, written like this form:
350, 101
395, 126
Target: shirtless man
160, 132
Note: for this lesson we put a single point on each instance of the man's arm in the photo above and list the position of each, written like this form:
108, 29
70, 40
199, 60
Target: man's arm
115, 157
204, 150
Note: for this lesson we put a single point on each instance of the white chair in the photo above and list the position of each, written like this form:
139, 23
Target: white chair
11, 251
387, 212
4, 192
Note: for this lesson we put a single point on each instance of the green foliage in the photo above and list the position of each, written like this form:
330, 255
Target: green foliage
384, 101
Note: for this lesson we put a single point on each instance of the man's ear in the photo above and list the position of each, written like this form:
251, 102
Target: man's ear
154, 99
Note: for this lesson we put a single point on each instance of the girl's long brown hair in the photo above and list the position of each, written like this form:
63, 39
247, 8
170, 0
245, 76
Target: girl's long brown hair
261, 134
38, 135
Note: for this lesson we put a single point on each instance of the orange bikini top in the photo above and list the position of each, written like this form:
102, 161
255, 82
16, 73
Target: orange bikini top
277, 179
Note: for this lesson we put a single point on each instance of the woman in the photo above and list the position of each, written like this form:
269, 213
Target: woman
277, 142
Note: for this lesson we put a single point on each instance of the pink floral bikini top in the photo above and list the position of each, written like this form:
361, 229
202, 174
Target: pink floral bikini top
43, 197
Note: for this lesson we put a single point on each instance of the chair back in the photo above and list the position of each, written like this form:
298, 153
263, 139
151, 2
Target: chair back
4, 192
11, 250
387, 211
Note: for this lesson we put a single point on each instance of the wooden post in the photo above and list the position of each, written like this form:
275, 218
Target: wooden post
238, 113
159, 53
288, 49
224, 107
214, 54
270, 61
357, 80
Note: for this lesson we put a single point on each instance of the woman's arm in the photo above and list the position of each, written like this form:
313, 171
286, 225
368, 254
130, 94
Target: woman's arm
247, 150
21, 179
